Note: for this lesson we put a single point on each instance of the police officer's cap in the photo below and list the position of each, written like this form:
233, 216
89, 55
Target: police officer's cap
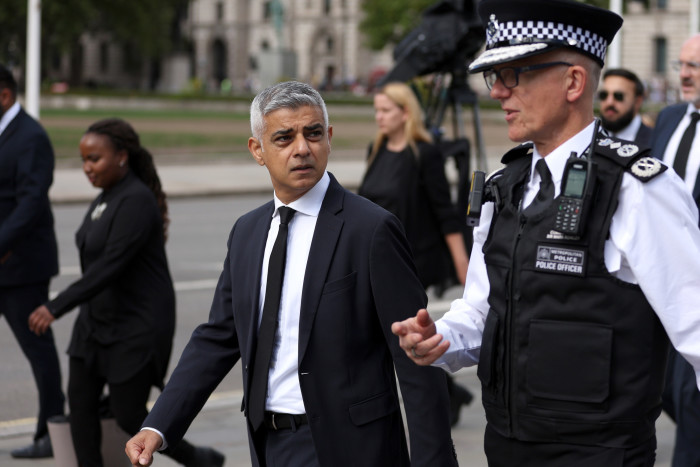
517, 29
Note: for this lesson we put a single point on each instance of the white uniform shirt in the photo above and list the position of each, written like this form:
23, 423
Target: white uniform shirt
654, 242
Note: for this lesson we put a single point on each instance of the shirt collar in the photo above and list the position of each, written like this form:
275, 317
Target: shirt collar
630, 131
310, 202
8, 116
556, 160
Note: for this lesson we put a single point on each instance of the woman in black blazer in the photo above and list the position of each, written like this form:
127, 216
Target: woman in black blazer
406, 176
122, 337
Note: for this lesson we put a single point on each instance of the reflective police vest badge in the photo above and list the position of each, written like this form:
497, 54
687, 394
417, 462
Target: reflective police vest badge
557, 260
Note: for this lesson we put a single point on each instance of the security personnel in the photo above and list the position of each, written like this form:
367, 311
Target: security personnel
574, 279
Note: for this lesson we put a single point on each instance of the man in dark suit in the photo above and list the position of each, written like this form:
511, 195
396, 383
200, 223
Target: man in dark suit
675, 140
329, 397
621, 96
28, 251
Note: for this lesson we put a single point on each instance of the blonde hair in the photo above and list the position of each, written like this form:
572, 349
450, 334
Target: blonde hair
414, 129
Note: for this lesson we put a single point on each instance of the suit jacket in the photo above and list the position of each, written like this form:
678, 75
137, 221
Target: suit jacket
26, 221
643, 135
126, 295
359, 279
666, 124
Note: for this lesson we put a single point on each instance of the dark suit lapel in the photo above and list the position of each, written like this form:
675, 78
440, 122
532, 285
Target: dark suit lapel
256, 253
11, 128
326, 234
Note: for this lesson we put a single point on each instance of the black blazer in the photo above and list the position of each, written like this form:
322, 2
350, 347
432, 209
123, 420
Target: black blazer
417, 192
643, 136
126, 295
666, 124
26, 221
359, 279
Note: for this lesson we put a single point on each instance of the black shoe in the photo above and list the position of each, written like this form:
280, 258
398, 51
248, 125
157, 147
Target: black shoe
39, 449
459, 396
207, 457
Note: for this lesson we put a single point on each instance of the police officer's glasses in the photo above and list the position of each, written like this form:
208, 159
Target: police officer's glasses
679, 64
509, 75
617, 95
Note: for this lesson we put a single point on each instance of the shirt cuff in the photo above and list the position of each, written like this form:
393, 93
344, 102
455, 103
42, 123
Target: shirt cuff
164, 443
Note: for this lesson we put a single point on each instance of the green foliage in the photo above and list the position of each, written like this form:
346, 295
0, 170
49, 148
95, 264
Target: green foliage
145, 24
388, 21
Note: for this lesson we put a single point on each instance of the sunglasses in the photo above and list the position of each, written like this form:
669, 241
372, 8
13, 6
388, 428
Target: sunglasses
617, 95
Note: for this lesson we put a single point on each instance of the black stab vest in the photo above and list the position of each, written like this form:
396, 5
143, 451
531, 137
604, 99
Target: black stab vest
570, 353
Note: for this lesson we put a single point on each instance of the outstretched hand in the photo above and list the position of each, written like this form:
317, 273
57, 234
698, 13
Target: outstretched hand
141, 447
40, 320
419, 339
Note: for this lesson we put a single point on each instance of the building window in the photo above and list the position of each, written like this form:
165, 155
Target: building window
661, 4
104, 57
327, 6
267, 11
265, 45
219, 11
329, 44
660, 55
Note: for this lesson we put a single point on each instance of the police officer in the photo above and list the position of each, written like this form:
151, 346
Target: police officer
566, 317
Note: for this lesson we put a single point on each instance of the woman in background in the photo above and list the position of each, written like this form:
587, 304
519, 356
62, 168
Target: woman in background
122, 337
406, 176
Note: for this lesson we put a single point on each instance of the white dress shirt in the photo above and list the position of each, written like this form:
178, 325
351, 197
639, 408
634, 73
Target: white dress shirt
691, 169
284, 392
630, 131
654, 242
8, 116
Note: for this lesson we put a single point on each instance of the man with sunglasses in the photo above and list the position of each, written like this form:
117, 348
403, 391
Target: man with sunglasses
575, 280
621, 97
675, 140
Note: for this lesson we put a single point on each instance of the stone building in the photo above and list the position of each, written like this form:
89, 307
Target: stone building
235, 45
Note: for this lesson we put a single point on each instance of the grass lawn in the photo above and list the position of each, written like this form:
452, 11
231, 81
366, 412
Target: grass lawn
184, 134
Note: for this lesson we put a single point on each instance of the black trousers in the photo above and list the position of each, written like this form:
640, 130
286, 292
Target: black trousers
681, 401
286, 448
16, 304
127, 403
509, 452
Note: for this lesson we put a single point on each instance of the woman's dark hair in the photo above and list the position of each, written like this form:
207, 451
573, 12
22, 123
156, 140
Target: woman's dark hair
123, 137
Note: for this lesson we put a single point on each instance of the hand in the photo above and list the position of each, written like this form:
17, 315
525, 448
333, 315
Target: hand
40, 320
418, 338
141, 447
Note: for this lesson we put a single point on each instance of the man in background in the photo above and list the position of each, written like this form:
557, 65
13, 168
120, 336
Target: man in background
28, 251
676, 141
621, 96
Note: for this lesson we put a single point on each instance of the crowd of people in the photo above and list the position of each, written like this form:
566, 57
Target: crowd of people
580, 289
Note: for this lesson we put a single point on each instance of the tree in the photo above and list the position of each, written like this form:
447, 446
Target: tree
147, 25
388, 21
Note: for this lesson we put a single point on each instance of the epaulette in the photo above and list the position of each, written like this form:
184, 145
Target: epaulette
635, 159
517, 152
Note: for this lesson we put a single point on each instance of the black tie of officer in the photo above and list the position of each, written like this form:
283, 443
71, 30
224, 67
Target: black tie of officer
546, 192
681, 160
268, 325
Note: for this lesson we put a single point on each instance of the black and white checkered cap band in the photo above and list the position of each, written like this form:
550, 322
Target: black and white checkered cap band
511, 33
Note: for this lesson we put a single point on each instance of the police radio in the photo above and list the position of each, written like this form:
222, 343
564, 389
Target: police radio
576, 194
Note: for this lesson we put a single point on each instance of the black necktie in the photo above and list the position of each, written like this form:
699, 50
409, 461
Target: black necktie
546, 192
681, 159
268, 324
